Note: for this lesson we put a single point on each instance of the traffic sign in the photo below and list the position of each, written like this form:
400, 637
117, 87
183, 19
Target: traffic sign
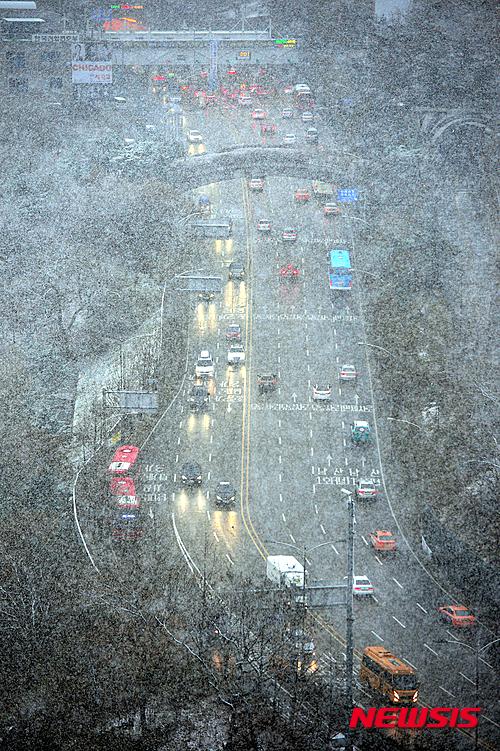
347, 195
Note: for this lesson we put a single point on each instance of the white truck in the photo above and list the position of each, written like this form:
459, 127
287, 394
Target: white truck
285, 571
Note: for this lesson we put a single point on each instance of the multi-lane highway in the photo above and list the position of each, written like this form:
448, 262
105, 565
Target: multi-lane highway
288, 456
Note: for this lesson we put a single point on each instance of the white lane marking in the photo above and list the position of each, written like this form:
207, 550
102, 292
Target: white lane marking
281, 498
208, 475
182, 408
377, 636
485, 717
312, 469
180, 424
229, 559
431, 650
307, 352
175, 477
211, 439
452, 635
399, 585
279, 345
330, 657
280, 477
310, 433
364, 539
335, 332
283, 517
322, 529
279, 422
279, 458
208, 513
487, 663
335, 549
177, 458
308, 561
466, 678
215, 535
422, 609
173, 495
279, 359
179, 441
398, 621
343, 425
292, 538
316, 506
312, 451
209, 457
375, 599
410, 663
309, 370
307, 337
279, 440
346, 460
344, 442
446, 691
378, 559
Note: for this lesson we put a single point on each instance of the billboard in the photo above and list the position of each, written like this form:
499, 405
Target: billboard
86, 71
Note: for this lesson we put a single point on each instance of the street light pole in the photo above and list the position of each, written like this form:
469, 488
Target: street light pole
349, 636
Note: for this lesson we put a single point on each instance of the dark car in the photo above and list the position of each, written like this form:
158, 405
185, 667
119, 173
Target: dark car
127, 526
191, 474
236, 270
225, 494
199, 397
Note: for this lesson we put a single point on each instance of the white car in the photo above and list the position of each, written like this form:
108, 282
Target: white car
194, 136
348, 373
289, 139
236, 354
362, 586
322, 393
365, 489
307, 117
287, 113
245, 101
302, 87
205, 365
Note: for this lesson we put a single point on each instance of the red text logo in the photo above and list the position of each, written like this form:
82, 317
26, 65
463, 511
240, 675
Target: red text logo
415, 717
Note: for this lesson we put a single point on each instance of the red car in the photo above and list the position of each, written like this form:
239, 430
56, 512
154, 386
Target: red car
259, 114
457, 615
268, 128
123, 460
383, 541
289, 271
330, 209
288, 89
233, 332
302, 194
263, 225
289, 234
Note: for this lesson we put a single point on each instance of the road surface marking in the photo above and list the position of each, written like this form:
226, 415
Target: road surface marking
399, 585
487, 663
364, 540
279, 359
446, 691
208, 475
490, 720
374, 598
180, 424
211, 439
346, 460
312, 451
175, 477
279, 440
431, 650
283, 517
229, 559
377, 636
422, 609
312, 469
279, 422
280, 477
410, 663
378, 559
281, 498
173, 495
179, 441
323, 529
208, 514
279, 345
314, 489
177, 458
452, 635
310, 433
467, 679
315, 505
398, 621
292, 538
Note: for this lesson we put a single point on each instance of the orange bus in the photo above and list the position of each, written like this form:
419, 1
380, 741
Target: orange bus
389, 676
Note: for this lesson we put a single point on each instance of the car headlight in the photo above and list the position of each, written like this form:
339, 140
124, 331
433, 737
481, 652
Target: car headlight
199, 477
